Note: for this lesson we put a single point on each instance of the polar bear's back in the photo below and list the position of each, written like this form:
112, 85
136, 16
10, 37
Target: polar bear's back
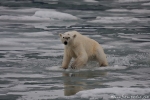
90, 45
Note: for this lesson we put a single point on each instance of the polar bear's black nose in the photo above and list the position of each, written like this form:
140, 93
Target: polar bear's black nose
65, 42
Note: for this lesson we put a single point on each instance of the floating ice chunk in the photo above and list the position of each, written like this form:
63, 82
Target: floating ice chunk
51, 14
115, 67
107, 46
140, 40
22, 10
131, 83
39, 95
114, 20
107, 93
92, 1
123, 1
21, 75
118, 10
146, 4
57, 46
23, 18
140, 11
89, 68
55, 68
35, 34
42, 15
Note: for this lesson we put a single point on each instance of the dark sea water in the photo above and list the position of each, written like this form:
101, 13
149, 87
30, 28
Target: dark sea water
31, 52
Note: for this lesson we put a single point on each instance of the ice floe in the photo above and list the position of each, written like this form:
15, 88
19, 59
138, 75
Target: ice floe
114, 20
146, 4
140, 40
86, 68
54, 15
111, 93
41, 15
139, 11
92, 1
126, 1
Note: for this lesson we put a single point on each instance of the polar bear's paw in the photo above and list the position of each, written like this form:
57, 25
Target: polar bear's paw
63, 67
73, 66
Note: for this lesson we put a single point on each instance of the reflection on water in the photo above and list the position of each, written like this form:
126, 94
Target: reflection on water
78, 81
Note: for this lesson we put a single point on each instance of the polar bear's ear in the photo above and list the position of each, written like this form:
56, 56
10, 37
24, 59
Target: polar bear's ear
74, 35
60, 34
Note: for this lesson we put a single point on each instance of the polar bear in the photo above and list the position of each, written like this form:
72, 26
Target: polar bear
82, 49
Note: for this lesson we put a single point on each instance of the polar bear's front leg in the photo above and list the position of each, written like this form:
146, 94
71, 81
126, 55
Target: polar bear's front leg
81, 59
66, 60
79, 62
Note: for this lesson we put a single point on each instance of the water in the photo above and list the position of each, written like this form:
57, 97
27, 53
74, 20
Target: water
31, 52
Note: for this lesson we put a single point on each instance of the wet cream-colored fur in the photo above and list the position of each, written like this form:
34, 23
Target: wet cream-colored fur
82, 49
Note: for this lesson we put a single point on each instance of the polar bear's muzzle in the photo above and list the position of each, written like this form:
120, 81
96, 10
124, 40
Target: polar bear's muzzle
65, 43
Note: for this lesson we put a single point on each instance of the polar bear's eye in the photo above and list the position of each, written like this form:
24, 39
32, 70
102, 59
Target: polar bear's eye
63, 37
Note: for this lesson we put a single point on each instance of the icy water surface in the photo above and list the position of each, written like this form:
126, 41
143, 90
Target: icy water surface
31, 52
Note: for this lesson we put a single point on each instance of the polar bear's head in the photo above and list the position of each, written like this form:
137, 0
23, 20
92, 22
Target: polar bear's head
67, 37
